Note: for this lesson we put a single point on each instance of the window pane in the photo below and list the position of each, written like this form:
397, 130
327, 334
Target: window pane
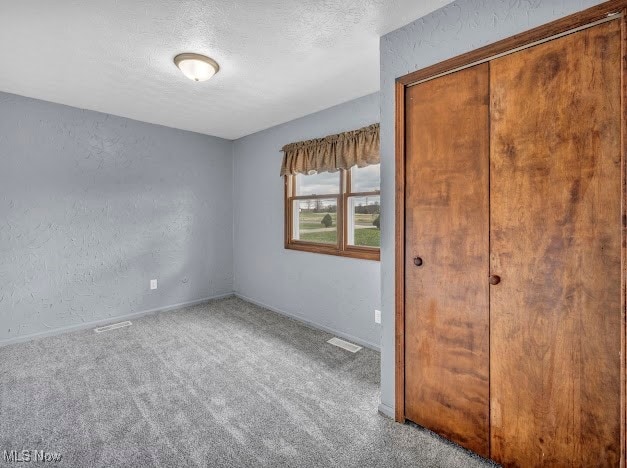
364, 222
366, 179
315, 221
318, 184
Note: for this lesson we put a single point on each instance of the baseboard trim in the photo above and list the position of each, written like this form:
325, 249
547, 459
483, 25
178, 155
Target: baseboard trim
108, 320
386, 410
311, 324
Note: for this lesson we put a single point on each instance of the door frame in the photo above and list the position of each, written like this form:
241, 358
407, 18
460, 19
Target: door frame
540, 34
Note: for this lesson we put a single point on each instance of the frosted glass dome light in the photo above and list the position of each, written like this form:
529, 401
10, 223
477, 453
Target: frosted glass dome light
196, 67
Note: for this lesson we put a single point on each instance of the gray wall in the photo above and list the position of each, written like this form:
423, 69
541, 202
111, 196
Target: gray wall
457, 28
93, 206
335, 293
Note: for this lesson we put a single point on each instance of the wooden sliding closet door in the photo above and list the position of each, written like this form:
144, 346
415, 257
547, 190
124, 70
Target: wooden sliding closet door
555, 241
446, 237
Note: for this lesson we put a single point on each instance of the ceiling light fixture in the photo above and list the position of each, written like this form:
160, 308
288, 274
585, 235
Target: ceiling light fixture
196, 67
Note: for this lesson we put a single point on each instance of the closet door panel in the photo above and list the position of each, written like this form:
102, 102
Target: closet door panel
446, 302
555, 217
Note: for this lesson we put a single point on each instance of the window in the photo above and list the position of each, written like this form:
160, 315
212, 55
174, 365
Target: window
336, 213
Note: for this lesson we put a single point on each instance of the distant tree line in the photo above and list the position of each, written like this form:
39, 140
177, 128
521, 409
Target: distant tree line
368, 209
316, 206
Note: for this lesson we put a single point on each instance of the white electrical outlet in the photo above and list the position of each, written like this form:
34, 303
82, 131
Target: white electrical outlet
377, 316
153, 284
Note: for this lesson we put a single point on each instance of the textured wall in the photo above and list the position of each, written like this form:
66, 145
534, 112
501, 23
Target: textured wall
337, 293
93, 206
460, 27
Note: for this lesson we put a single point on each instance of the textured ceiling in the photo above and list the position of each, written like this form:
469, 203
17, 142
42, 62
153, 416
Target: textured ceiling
279, 59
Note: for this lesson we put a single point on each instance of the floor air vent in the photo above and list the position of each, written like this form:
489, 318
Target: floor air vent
353, 348
113, 326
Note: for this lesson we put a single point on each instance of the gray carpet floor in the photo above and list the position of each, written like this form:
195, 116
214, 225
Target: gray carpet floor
225, 383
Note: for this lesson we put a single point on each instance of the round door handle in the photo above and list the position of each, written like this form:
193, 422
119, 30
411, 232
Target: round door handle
417, 261
495, 279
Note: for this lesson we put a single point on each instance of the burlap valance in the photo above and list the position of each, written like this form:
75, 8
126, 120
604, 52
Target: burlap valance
328, 154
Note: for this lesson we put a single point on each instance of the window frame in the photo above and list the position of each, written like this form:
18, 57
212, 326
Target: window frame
341, 248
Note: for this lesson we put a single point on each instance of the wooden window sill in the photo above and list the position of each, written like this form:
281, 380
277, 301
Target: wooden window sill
364, 253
